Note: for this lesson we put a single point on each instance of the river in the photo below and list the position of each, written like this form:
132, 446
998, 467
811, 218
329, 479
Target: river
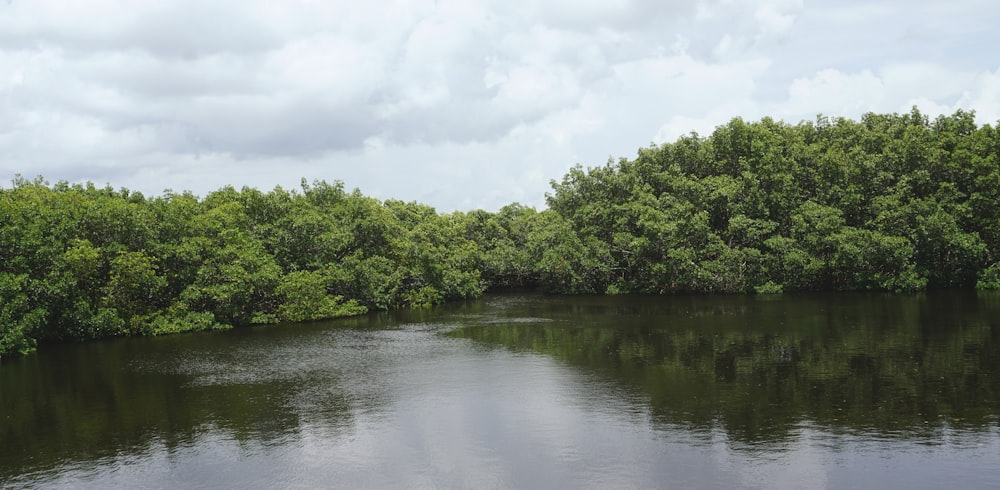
529, 391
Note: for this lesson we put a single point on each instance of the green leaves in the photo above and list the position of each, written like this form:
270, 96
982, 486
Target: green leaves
134, 289
304, 297
989, 278
19, 317
892, 202
235, 281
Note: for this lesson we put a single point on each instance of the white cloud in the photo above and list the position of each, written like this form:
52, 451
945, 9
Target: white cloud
776, 17
984, 96
933, 88
840, 93
458, 104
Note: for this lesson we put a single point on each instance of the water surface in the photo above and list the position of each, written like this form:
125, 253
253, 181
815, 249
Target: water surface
529, 391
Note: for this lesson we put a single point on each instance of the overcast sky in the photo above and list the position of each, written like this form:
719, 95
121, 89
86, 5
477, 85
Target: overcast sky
454, 103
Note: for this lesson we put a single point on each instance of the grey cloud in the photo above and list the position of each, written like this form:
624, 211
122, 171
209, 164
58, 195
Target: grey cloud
299, 128
473, 122
197, 68
128, 91
622, 15
191, 30
180, 29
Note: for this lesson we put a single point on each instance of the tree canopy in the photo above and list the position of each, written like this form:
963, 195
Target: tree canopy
893, 202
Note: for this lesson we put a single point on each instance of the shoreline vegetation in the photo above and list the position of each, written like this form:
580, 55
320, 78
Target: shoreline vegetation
892, 202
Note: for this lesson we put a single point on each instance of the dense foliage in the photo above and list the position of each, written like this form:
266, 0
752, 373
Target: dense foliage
80, 262
892, 202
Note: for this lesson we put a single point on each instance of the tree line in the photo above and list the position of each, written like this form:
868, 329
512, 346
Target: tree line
893, 202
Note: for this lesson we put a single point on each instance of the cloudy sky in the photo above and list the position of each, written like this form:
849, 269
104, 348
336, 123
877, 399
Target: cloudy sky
458, 104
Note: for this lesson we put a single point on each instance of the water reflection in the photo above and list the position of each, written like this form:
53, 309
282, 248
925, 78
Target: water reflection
889, 365
523, 391
102, 400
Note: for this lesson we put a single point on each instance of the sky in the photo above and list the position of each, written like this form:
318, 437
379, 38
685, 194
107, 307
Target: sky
459, 104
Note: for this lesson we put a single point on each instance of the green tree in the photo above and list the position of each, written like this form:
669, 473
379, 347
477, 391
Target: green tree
304, 297
134, 290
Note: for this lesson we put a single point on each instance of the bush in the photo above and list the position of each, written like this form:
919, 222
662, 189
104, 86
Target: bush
769, 288
304, 298
178, 318
989, 278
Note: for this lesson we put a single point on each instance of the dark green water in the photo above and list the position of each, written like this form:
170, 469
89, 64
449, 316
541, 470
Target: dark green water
527, 391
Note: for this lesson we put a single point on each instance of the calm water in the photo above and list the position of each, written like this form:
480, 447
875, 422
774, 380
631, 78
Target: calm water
528, 391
